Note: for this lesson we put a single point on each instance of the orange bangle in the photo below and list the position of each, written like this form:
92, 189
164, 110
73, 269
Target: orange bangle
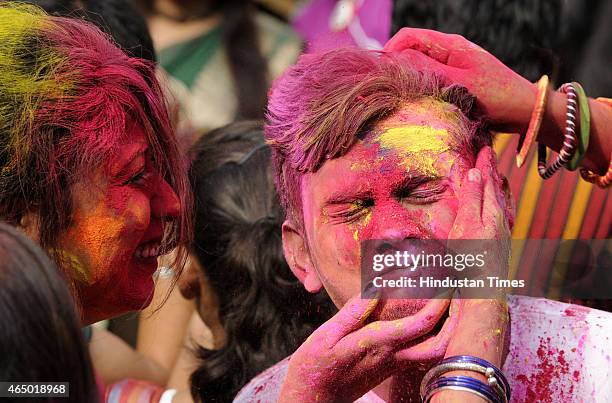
607, 101
536, 121
605, 180
601, 181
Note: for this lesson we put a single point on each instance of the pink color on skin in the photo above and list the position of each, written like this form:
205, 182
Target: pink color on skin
115, 212
331, 234
586, 378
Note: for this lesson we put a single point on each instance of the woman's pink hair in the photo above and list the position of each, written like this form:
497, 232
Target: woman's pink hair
67, 97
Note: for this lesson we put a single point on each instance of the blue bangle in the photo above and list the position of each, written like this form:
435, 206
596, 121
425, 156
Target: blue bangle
463, 383
479, 361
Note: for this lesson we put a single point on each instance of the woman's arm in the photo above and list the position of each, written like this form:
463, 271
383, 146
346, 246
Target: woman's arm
505, 97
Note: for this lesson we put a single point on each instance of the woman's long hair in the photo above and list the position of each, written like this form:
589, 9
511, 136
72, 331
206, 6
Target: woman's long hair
40, 337
265, 311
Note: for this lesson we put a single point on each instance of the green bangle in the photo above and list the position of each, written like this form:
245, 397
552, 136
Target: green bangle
585, 128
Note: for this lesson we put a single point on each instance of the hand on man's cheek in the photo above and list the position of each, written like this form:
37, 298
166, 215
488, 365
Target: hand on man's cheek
483, 211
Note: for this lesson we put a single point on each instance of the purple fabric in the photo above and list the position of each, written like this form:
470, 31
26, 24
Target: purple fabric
312, 23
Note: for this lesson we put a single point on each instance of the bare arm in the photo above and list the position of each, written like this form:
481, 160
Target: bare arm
162, 328
114, 360
505, 97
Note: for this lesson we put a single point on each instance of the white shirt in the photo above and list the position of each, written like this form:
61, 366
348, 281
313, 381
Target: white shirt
559, 353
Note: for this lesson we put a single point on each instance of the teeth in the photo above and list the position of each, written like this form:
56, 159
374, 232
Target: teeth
147, 251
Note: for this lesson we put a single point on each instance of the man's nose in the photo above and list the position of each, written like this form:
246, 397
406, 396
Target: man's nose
397, 225
165, 204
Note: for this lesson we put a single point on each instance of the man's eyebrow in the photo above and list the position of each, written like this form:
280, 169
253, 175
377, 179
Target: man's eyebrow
344, 196
413, 181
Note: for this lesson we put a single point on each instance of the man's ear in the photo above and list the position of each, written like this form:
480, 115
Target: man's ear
298, 258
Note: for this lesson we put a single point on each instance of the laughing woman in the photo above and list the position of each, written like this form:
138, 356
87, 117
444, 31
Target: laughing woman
89, 167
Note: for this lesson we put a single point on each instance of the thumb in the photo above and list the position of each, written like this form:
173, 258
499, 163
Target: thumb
470, 203
351, 317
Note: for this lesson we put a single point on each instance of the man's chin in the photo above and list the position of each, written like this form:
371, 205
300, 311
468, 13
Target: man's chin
392, 309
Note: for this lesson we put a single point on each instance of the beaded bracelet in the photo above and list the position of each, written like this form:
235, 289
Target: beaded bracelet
463, 383
569, 143
536, 121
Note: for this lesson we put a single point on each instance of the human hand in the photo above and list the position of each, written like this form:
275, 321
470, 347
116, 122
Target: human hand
481, 323
345, 358
482, 215
504, 96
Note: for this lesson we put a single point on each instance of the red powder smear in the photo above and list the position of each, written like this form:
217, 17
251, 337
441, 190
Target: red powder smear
577, 311
549, 369
258, 389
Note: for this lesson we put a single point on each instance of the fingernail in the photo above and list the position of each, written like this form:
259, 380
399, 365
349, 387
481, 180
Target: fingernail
474, 175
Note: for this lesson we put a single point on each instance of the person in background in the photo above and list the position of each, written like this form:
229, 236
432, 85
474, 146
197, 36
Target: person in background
221, 56
40, 336
327, 24
264, 312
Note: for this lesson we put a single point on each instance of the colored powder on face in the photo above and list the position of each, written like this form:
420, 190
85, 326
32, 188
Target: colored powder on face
416, 146
77, 270
362, 223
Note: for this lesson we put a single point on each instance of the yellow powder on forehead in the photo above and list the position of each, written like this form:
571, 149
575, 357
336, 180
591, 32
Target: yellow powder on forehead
415, 139
417, 146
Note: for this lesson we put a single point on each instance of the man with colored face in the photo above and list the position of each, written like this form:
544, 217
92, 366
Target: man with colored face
365, 148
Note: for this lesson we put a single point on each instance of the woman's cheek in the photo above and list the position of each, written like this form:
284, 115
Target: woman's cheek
133, 207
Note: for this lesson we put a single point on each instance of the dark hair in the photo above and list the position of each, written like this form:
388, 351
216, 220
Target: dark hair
264, 310
247, 64
118, 18
521, 33
40, 336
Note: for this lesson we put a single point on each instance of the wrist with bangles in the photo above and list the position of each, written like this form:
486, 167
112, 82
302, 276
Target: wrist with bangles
496, 390
574, 146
